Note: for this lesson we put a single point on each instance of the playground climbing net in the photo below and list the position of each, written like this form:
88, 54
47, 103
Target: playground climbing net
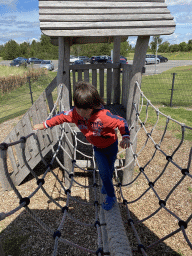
170, 166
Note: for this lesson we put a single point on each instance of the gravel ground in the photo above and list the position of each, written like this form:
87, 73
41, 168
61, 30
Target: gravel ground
22, 236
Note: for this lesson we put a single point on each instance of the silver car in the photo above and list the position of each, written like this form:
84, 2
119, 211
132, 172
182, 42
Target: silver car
47, 64
151, 59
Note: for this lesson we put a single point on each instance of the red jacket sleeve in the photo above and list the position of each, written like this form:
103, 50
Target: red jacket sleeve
65, 116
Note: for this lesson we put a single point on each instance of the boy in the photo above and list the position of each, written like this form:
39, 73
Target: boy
98, 125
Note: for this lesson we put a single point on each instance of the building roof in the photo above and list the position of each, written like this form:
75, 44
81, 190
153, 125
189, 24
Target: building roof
99, 21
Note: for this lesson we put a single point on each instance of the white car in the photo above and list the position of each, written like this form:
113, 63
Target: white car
73, 59
151, 59
47, 64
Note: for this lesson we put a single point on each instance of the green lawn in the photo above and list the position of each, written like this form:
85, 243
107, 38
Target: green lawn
170, 56
17, 102
7, 71
158, 87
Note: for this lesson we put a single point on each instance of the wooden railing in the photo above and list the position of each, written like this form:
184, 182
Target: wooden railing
101, 76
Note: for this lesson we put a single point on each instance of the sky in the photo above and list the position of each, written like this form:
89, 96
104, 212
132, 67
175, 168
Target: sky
19, 21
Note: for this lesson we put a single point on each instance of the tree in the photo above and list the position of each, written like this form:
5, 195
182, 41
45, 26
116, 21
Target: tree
164, 47
174, 48
189, 45
11, 50
125, 48
183, 47
24, 49
154, 44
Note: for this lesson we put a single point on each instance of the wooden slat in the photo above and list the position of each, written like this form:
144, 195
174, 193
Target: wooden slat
101, 82
105, 25
36, 120
15, 137
42, 109
103, 11
79, 75
166, 30
97, 4
109, 85
86, 75
28, 129
11, 155
104, 18
94, 77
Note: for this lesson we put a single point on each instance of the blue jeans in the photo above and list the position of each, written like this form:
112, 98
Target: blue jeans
105, 159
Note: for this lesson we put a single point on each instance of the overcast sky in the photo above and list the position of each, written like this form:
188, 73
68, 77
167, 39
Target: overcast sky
19, 20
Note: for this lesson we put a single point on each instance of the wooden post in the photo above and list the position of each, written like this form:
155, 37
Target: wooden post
116, 71
134, 97
63, 74
63, 77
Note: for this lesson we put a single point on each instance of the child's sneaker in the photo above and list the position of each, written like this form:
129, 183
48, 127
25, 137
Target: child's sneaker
108, 203
103, 191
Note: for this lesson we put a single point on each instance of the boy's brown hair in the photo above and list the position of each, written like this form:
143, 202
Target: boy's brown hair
86, 96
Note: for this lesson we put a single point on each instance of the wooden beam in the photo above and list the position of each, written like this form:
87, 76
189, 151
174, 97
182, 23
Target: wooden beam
134, 97
116, 71
145, 31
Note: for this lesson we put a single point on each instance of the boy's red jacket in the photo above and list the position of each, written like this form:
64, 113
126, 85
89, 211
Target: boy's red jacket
98, 129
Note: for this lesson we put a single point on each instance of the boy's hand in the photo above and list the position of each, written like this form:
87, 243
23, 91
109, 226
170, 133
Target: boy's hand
38, 127
125, 143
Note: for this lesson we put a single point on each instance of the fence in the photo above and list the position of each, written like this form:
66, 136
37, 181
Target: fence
170, 89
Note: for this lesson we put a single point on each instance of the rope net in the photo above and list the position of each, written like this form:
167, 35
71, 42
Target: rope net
161, 180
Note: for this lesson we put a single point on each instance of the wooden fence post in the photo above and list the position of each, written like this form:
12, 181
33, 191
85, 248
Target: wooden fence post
116, 72
134, 97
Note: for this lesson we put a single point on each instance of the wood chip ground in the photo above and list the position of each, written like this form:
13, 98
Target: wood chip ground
22, 236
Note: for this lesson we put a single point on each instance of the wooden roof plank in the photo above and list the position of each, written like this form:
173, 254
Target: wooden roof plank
162, 1
112, 32
107, 25
103, 11
97, 4
104, 18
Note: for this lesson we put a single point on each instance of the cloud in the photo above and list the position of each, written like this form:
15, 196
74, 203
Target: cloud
19, 26
11, 4
178, 2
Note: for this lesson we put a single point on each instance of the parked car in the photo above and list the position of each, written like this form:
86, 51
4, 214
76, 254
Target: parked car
21, 58
73, 59
34, 60
122, 57
162, 58
151, 59
85, 59
99, 59
78, 62
47, 64
123, 61
18, 63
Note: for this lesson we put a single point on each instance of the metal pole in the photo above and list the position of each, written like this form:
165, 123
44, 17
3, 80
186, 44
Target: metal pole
172, 89
30, 89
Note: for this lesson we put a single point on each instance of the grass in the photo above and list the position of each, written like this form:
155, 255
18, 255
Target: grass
169, 55
17, 102
180, 114
158, 87
7, 71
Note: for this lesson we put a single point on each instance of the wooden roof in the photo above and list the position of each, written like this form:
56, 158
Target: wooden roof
101, 20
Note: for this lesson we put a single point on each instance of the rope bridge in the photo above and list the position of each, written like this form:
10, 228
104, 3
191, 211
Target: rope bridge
111, 235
